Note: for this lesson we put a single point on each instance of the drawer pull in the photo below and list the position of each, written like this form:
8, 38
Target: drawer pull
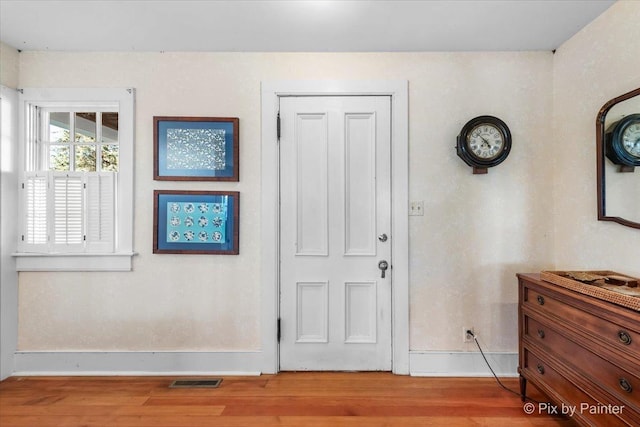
541, 333
625, 385
540, 300
541, 370
624, 337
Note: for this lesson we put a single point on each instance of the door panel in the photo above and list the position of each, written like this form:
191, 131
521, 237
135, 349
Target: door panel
312, 322
360, 184
360, 312
311, 184
335, 307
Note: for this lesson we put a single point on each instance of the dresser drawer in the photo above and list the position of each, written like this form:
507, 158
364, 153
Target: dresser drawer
548, 378
605, 331
623, 385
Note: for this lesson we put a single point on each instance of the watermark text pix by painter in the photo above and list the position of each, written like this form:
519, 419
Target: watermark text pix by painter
570, 410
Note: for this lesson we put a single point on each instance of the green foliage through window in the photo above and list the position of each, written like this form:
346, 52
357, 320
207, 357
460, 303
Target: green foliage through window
86, 151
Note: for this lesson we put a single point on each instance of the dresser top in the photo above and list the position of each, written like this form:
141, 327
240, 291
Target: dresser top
593, 290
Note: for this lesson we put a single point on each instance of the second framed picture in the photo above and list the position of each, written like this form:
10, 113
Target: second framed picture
196, 222
196, 148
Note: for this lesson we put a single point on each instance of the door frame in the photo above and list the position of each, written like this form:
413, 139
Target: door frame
269, 206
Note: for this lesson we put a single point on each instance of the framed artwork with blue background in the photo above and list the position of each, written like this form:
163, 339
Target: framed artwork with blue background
196, 222
196, 149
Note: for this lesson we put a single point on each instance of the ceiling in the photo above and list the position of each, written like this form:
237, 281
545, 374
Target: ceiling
294, 25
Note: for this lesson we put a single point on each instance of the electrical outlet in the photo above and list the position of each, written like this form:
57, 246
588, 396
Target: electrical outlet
467, 337
416, 208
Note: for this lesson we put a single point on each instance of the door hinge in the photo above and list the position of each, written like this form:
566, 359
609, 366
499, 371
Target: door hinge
278, 126
278, 333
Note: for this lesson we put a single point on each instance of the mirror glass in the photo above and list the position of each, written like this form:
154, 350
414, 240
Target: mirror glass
618, 186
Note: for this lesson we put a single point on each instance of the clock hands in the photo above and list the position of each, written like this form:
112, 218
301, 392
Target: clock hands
486, 142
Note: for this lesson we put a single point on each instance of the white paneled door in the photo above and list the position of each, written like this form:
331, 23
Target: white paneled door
335, 233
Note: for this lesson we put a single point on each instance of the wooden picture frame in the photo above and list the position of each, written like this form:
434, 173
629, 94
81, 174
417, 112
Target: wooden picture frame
196, 222
196, 148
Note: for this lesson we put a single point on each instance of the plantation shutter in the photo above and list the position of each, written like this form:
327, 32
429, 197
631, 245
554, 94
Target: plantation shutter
34, 233
69, 212
100, 197
68, 221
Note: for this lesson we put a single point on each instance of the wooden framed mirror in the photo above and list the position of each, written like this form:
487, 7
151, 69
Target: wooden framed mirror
618, 183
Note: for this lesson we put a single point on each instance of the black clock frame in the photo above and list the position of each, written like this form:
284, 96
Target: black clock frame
614, 149
465, 152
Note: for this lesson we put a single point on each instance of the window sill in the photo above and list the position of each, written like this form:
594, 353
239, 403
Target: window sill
74, 262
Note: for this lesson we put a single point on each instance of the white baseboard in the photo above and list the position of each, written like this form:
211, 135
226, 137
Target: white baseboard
137, 363
427, 364
462, 364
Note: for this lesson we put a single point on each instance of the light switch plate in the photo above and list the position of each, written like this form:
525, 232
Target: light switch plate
416, 208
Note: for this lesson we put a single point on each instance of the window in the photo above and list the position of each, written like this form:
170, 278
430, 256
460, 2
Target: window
77, 181
81, 141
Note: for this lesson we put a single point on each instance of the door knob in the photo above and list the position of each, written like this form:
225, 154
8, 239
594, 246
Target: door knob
383, 265
383, 237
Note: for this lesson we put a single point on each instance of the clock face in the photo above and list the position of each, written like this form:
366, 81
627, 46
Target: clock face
486, 142
631, 139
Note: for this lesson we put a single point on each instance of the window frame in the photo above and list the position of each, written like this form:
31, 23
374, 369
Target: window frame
120, 258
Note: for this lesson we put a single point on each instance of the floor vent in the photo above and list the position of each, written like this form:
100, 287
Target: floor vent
200, 383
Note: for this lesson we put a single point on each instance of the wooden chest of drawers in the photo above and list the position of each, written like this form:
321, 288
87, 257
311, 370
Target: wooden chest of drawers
582, 352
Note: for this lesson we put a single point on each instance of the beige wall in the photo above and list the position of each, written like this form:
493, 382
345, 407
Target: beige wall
9, 66
598, 64
477, 232
535, 211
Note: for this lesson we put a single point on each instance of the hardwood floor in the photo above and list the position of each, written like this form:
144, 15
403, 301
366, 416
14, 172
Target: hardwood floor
287, 399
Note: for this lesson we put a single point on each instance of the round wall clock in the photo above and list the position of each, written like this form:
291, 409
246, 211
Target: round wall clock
622, 144
484, 142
